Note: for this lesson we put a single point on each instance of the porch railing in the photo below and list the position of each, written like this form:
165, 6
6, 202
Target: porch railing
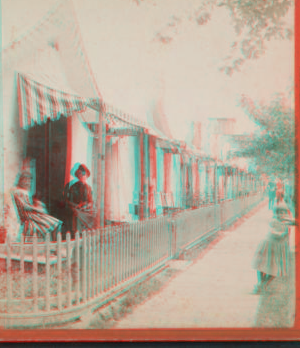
55, 282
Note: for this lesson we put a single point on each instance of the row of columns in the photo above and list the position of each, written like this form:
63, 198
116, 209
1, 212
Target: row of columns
240, 181
235, 182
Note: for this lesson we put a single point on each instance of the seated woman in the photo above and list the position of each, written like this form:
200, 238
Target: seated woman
32, 213
80, 200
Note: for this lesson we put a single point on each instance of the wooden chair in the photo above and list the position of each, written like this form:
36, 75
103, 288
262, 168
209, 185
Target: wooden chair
24, 228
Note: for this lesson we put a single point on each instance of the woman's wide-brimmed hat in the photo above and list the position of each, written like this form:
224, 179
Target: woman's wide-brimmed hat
82, 168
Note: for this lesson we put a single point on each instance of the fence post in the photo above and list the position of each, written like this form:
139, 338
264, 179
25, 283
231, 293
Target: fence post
22, 270
69, 280
77, 267
35, 273
93, 257
8, 272
59, 275
98, 260
84, 266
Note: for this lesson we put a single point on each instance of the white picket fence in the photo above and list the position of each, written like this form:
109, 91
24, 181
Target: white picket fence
54, 282
193, 225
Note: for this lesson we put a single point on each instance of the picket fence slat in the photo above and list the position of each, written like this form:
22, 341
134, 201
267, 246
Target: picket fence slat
131, 250
22, 271
117, 255
48, 272
125, 251
114, 257
69, 278
35, 274
88, 264
94, 258
106, 245
135, 235
84, 267
110, 258
97, 261
77, 268
102, 262
8, 273
59, 271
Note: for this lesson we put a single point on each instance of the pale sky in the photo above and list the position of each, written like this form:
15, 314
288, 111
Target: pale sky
132, 68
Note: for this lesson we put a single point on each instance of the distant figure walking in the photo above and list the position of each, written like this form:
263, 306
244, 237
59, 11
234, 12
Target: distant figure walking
271, 189
279, 191
272, 257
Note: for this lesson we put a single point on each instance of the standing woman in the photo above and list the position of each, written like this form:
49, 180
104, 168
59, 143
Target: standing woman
272, 257
81, 201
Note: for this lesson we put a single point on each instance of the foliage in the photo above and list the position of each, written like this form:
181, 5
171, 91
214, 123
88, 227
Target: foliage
272, 147
255, 22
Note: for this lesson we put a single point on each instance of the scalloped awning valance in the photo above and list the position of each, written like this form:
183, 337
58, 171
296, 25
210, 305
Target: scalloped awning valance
38, 102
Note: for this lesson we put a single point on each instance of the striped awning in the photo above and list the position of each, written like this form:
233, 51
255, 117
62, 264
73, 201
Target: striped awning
38, 102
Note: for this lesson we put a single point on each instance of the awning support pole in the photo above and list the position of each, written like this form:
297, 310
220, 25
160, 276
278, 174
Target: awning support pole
1, 150
101, 169
142, 166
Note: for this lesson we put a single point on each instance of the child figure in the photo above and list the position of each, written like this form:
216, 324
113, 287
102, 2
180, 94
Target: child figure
272, 257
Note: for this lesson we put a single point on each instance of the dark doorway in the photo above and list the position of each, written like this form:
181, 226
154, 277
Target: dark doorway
47, 144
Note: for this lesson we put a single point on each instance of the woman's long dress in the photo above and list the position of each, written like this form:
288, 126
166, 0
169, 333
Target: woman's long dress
33, 216
81, 194
273, 254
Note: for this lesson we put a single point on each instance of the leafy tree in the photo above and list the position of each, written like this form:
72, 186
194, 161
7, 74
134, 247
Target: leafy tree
255, 22
272, 146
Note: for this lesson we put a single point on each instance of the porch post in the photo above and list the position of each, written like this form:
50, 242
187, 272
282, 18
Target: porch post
232, 182
216, 184
144, 175
225, 182
236, 182
243, 182
101, 168
153, 175
2, 219
220, 187
189, 186
183, 182
249, 182
197, 183
141, 210
167, 172
207, 169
